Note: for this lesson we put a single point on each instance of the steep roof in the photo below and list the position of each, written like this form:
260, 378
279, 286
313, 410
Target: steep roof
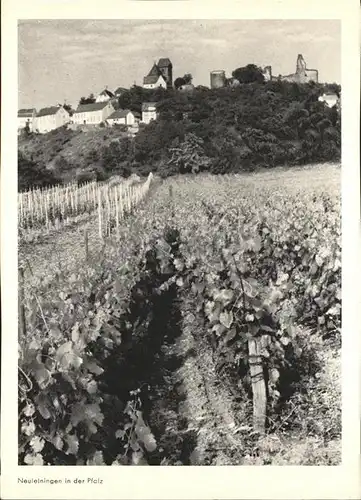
147, 105
52, 110
24, 113
119, 113
155, 71
107, 93
88, 108
152, 79
164, 62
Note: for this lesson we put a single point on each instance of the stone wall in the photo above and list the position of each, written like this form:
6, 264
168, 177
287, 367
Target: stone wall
302, 74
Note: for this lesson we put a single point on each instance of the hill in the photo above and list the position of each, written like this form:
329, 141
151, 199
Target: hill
253, 126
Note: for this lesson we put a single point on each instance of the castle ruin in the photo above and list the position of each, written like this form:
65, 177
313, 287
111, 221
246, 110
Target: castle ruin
302, 74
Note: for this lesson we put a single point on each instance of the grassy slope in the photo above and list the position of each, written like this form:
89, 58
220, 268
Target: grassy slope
72, 145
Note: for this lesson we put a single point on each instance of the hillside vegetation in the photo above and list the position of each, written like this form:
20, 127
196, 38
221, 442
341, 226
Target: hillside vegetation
228, 130
65, 155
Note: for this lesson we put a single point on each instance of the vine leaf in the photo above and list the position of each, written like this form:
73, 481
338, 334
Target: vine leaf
29, 410
93, 367
42, 405
138, 458
67, 358
225, 296
58, 442
28, 428
37, 444
226, 318
144, 434
97, 459
90, 414
73, 444
41, 375
230, 335
34, 459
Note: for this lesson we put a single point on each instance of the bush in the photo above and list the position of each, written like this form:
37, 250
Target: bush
33, 175
61, 164
115, 158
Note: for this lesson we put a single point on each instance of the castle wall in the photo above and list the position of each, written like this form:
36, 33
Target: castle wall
311, 75
302, 74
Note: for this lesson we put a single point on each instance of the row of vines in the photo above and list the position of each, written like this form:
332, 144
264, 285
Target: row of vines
56, 207
258, 265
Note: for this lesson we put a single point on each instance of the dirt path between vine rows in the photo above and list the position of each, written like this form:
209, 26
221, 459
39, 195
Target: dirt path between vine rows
208, 405
192, 413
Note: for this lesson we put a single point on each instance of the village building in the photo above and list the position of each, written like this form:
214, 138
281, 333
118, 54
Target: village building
51, 118
26, 117
93, 114
123, 117
149, 112
105, 96
154, 79
330, 99
161, 75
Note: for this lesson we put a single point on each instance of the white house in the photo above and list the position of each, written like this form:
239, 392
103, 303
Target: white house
123, 117
105, 96
155, 78
149, 112
330, 99
93, 114
51, 118
26, 116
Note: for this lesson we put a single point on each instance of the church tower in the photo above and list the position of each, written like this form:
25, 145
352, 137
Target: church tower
166, 68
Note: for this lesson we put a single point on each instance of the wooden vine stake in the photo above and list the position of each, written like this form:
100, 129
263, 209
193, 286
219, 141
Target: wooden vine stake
86, 245
100, 215
22, 323
258, 385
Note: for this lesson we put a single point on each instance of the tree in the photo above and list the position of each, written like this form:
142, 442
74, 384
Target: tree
248, 74
69, 108
296, 117
333, 87
33, 175
115, 157
184, 80
25, 132
179, 82
189, 156
87, 100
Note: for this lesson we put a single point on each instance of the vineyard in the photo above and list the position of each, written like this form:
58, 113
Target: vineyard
202, 327
47, 209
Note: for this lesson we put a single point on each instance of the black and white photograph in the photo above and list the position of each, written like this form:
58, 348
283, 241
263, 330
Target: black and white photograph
179, 273
179, 242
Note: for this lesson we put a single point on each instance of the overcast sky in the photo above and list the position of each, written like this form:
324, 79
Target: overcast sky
64, 60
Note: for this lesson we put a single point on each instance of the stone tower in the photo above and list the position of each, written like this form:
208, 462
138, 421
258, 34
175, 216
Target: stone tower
166, 68
218, 79
300, 64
